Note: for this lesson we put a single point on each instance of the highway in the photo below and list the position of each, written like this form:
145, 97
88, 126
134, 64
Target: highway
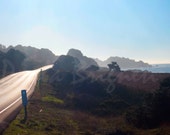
10, 92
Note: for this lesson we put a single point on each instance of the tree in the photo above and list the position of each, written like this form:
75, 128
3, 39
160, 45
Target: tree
114, 67
66, 63
2, 56
16, 58
92, 68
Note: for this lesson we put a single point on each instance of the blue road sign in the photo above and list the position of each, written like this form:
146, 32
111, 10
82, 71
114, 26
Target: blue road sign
24, 97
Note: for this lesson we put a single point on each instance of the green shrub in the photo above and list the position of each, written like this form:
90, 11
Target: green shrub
52, 99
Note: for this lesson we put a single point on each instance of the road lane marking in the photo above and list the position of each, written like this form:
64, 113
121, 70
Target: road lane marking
18, 98
34, 81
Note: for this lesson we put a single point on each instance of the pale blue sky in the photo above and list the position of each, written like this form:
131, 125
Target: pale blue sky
137, 29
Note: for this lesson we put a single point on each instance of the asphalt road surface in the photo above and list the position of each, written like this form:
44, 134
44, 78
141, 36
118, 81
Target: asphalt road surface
10, 93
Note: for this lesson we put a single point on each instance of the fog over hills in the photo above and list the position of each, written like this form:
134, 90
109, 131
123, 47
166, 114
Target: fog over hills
84, 60
124, 63
35, 57
41, 57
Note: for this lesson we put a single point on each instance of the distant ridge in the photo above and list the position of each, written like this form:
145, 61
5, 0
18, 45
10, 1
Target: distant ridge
43, 57
84, 61
124, 63
35, 57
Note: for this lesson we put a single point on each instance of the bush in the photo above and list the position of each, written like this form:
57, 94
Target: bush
154, 111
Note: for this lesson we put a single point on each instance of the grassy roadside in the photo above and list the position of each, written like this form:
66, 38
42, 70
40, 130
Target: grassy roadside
47, 115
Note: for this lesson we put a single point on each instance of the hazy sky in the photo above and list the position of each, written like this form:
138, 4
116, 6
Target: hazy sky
137, 29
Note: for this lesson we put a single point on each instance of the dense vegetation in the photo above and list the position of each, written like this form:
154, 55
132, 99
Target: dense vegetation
18, 58
63, 105
11, 62
103, 96
155, 109
33, 57
90, 90
84, 92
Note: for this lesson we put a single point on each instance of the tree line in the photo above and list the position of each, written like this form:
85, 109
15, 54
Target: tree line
11, 62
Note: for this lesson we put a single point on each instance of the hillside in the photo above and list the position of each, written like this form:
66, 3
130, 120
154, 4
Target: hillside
11, 62
124, 63
2, 48
40, 57
85, 61
35, 58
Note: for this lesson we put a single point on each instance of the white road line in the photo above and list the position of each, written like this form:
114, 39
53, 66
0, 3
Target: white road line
9, 106
16, 100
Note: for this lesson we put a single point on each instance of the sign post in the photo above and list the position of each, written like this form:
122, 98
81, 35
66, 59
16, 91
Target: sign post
24, 102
